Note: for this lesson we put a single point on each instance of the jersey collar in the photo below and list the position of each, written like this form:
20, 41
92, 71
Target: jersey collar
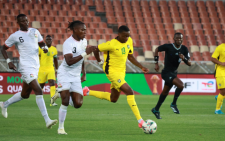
175, 47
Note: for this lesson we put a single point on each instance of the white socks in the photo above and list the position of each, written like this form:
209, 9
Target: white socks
15, 98
62, 116
139, 121
41, 105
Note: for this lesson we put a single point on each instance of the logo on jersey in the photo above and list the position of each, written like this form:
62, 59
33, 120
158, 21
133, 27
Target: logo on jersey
119, 80
36, 35
128, 46
60, 86
219, 84
52, 52
170, 77
31, 75
176, 53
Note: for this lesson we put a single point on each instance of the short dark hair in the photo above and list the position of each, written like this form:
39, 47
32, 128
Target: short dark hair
123, 28
48, 36
177, 33
74, 24
20, 15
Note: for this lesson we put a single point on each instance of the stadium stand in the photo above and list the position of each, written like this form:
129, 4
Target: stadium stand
152, 23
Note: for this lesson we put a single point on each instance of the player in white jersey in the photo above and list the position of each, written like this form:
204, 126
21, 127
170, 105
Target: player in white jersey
27, 41
68, 77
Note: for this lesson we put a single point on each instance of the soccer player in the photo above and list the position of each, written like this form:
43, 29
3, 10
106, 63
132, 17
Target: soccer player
218, 59
69, 81
174, 54
27, 41
47, 71
116, 53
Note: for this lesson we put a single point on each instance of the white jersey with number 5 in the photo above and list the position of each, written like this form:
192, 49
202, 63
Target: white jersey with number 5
27, 45
76, 48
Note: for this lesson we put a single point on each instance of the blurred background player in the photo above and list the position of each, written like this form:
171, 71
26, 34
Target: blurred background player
218, 58
47, 71
174, 54
116, 53
69, 81
27, 41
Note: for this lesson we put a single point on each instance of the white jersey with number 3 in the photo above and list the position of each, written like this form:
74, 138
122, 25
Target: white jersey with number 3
76, 48
27, 45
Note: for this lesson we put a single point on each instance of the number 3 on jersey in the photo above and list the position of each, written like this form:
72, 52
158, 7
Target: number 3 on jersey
123, 50
74, 50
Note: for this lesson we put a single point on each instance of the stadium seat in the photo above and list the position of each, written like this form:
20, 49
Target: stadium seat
140, 58
136, 43
92, 42
178, 26
203, 49
148, 55
36, 24
194, 48
212, 48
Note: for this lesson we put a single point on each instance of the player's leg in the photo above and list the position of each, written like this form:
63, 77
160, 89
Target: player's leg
65, 96
97, 94
162, 98
26, 90
131, 102
42, 85
52, 90
221, 86
180, 86
41, 103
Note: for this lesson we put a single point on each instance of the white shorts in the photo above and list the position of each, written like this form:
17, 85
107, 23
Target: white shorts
72, 83
29, 74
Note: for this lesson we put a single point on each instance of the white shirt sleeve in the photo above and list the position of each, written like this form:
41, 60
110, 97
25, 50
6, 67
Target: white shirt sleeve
67, 49
40, 39
10, 41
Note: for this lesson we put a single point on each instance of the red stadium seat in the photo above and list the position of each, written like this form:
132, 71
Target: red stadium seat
186, 20
152, 31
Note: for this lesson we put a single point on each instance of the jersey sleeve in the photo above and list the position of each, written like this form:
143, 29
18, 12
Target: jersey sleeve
108, 46
10, 41
216, 53
187, 55
162, 48
40, 39
67, 49
131, 46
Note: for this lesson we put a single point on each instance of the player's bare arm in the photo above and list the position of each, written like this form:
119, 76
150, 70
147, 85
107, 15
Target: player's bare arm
56, 63
136, 63
215, 61
83, 77
186, 61
4, 53
70, 60
156, 58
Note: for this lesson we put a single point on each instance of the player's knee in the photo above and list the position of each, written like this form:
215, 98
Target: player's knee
78, 104
52, 83
114, 100
25, 96
181, 86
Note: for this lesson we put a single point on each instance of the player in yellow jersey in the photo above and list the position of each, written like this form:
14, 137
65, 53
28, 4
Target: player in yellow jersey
218, 57
116, 53
46, 70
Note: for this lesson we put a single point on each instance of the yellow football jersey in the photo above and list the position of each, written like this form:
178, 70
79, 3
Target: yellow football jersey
115, 54
46, 59
219, 54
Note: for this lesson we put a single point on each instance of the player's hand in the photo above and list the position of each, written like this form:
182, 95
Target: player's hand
181, 56
222, 64
12, 66
45, 50
157, 67
90, 49
83, 78
145, 70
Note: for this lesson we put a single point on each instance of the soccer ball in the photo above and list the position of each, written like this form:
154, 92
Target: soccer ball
149, 126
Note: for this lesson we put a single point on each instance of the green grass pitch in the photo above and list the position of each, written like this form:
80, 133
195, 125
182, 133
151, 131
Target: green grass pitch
100, 120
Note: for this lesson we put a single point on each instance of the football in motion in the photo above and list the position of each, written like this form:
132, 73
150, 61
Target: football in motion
149, 127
